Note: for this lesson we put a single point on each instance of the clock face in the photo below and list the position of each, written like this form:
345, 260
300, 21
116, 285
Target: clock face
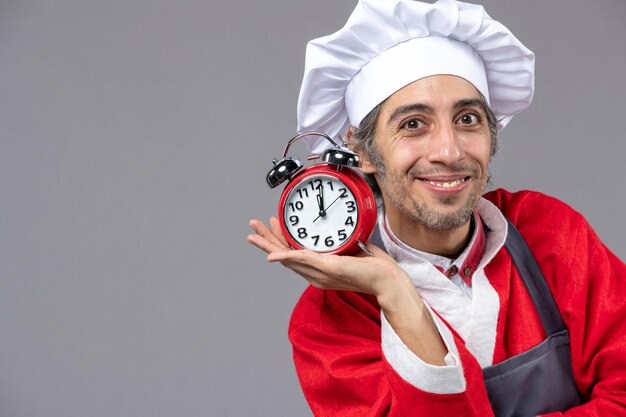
320, 213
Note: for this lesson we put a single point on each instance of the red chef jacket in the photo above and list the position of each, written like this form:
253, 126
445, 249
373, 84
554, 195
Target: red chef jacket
336, 335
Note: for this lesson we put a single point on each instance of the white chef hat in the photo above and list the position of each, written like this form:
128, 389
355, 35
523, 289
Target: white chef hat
387, 44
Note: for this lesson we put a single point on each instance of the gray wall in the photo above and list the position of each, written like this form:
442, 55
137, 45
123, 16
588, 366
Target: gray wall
134, 140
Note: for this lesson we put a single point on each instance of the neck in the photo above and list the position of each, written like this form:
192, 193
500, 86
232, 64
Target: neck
448, 243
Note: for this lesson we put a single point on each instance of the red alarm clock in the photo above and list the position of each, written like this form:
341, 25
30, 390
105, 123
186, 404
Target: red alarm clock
327, 207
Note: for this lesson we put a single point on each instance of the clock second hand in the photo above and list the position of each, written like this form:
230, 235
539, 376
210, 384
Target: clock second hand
327, 208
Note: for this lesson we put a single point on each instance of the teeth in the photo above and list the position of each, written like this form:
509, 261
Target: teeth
446, 184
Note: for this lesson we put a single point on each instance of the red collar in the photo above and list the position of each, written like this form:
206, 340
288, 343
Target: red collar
475, 254
472, 259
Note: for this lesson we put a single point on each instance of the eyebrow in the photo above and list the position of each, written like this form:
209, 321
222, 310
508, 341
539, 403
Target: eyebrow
470, 102
409, 108
426, 108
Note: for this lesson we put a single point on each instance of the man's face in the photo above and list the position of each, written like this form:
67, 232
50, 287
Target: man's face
434, 144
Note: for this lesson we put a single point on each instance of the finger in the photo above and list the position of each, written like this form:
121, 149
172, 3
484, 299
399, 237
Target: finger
276, 229
305, 271
298, 259
324, 271
264, 244
308, 268
272, 250
301, 263
328, 264
299, 256
262, 230
309, 262
359, 270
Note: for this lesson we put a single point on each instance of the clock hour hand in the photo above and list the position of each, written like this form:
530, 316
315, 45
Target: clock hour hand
320, 200
334, 201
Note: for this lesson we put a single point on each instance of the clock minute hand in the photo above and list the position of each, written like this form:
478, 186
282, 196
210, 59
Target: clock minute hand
320, 200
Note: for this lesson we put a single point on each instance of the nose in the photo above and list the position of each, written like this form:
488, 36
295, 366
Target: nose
444, 145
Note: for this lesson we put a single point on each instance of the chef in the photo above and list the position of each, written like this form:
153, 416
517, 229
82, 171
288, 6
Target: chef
502, 304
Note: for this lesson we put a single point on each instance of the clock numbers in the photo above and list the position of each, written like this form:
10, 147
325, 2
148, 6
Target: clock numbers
318, 183
298, 205
321, 213
329, 241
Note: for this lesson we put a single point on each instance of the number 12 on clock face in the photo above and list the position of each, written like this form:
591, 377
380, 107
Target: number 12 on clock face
320, 213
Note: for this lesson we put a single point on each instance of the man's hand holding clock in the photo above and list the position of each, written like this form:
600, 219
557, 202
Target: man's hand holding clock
360, 273
377, 275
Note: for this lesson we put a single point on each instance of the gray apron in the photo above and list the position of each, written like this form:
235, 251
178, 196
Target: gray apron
541, 379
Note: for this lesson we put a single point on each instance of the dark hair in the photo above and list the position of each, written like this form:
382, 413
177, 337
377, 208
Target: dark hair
363, 138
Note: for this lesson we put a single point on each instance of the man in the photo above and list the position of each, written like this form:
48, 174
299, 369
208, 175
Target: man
451, 316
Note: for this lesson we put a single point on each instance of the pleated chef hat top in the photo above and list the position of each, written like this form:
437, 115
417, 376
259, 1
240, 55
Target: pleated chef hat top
387, 44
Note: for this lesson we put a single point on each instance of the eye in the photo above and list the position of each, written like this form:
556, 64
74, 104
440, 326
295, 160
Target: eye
412, 124
469, 119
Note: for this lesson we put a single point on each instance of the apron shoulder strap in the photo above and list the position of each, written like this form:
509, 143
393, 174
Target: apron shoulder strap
534, 281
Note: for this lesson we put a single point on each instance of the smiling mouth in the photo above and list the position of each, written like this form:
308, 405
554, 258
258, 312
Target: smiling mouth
445, 184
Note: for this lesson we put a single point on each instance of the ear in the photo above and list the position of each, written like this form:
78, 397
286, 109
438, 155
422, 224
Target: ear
367, 166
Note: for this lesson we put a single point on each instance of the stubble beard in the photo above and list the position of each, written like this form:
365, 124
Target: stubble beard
418, 210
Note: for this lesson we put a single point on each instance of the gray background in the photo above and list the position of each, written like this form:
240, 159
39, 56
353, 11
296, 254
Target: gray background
134, 140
